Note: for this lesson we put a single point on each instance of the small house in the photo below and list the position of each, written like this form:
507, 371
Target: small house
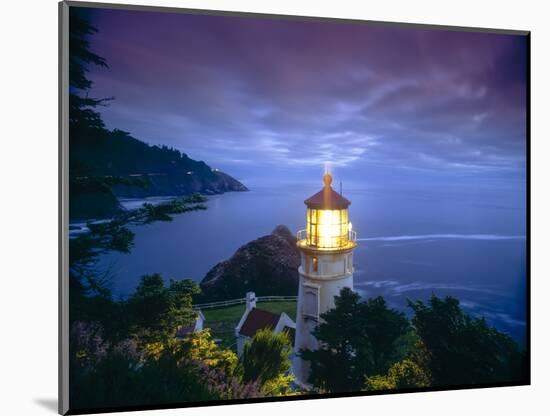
183, 331
255, 319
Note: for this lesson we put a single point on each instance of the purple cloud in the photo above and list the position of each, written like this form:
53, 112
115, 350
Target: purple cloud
248, 93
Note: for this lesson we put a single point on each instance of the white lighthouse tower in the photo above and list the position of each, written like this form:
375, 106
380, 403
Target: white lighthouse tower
326, 247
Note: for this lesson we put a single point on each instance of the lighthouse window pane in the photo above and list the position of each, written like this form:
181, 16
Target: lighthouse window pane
313, 216
327, 228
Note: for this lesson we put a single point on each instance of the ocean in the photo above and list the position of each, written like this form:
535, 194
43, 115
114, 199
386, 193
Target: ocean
461, 241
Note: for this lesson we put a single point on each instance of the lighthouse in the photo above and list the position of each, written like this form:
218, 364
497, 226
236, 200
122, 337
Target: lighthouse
326, 249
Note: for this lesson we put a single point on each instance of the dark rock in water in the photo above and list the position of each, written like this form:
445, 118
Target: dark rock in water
267, 266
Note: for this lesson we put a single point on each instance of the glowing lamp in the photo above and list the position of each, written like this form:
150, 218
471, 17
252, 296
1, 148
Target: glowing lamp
327, 218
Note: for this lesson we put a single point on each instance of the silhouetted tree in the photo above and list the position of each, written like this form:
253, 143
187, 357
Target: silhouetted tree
460, 349
157, 311
81, 113
357, 339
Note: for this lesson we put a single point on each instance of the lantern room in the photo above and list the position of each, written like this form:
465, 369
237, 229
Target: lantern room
328, 225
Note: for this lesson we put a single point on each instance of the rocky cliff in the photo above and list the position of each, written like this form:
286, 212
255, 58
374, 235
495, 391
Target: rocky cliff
267, 266
177, 184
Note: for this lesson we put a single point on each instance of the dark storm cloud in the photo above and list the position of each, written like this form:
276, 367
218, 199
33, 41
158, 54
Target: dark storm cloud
245, 94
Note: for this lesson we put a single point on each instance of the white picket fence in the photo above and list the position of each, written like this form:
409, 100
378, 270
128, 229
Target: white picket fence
223, 303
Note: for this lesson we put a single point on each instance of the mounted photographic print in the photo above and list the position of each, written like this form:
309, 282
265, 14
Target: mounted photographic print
264, 208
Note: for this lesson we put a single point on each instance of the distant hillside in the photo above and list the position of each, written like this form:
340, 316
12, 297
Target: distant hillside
164, 171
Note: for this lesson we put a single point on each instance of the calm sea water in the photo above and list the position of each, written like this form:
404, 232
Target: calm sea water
468, 243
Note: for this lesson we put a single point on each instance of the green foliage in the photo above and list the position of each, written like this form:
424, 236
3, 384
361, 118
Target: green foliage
460, 349
149, 307
157, 311
375, 383
266, 360
105, 374
357, 339
172, 378
200, 346
152, 368
405, 374
408, 374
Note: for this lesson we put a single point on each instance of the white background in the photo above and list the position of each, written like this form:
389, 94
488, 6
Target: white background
28, 216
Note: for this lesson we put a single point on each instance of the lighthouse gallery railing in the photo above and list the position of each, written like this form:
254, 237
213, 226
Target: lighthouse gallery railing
302, 235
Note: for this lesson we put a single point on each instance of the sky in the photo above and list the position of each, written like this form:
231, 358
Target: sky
275, 100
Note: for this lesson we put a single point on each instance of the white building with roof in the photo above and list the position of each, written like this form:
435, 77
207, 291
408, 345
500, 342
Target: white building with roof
255, 319
198, 325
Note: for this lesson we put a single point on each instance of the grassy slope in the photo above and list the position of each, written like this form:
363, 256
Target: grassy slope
223, 321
